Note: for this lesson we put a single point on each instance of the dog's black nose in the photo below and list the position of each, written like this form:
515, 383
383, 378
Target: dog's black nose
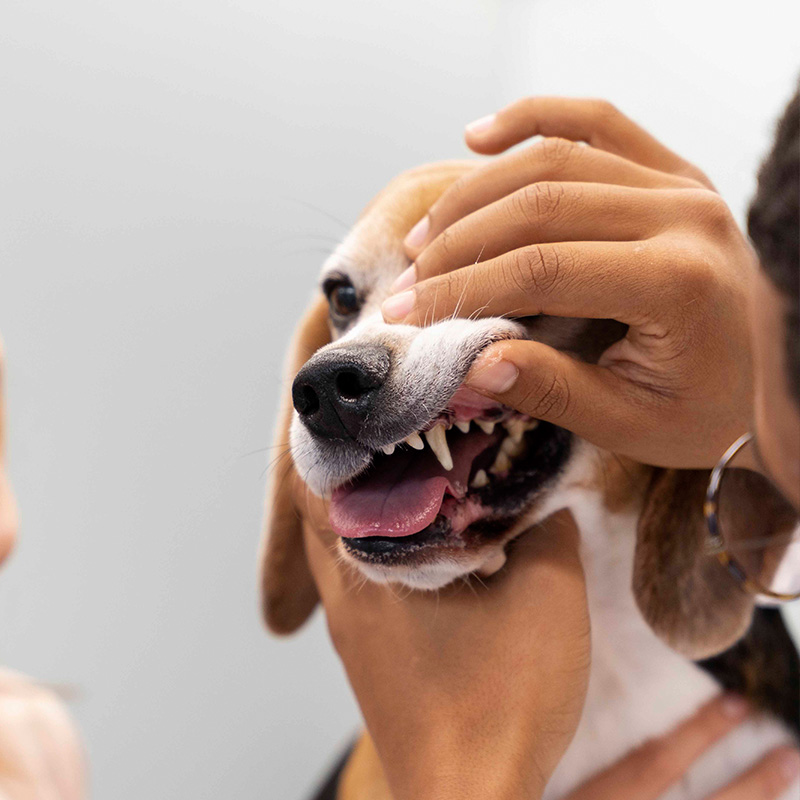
336, 390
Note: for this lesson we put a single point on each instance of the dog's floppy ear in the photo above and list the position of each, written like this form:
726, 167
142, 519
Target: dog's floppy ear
685, 594
288, 593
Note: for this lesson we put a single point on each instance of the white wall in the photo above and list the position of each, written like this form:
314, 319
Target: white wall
170, 173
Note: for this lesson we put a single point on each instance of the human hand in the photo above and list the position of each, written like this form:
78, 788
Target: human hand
648, 772
40, 754
618, 228
474, 691
8, 506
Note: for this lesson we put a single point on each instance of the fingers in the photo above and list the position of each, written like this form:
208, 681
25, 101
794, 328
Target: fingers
551, 159
592, 280
547, 212
767, 780
552, 386
594, 121
646, 773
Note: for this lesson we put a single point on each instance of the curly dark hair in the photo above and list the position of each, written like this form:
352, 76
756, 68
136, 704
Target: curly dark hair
774, 227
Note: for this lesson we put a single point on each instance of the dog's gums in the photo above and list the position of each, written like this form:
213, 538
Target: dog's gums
482, 466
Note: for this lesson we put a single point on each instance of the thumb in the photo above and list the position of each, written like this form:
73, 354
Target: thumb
546, 384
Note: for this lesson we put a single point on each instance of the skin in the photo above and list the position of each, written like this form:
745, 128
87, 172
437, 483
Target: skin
617, 228
474, 672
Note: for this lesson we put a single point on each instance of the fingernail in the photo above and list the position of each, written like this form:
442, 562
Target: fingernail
495, 378
789, 764
406, 278
481, 125
416, 236
734, 707
399, 306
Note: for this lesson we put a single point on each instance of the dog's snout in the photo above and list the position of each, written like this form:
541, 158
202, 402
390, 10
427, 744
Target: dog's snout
336, 390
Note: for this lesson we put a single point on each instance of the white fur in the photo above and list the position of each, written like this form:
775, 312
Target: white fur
638, 687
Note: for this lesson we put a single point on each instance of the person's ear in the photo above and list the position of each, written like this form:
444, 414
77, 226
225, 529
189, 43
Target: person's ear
288, 593
684, 593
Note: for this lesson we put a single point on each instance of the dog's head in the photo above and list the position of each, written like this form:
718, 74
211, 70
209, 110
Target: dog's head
424, 481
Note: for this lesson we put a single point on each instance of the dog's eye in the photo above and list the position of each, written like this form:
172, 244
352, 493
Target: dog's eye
342, 297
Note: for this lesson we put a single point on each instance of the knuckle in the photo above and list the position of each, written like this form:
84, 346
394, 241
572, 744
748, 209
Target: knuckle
603, 110
542, 200
710, 208
696, 175
522, 268
537, 269
547, 397
556, 152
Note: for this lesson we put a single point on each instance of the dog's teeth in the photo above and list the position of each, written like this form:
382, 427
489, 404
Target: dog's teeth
415, 440
437, 439
501, 464
388, 449
513, 447
516, 429
486, 425
479, 480
463, 425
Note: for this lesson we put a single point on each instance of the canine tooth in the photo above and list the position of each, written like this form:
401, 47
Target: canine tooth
415, 440
501, 464
437, 439
463, 425
388, 449
487, 426
479, 480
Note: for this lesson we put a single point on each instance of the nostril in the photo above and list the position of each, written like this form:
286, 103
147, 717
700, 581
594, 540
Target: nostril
351, 385
306, 400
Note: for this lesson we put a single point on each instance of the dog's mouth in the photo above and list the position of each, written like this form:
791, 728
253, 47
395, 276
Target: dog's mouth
455, 485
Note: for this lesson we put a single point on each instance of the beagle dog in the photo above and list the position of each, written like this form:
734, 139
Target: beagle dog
424, 481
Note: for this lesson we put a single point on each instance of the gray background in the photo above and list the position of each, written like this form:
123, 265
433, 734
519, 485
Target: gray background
169, 174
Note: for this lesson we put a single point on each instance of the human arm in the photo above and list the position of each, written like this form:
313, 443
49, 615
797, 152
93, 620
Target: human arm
474, 691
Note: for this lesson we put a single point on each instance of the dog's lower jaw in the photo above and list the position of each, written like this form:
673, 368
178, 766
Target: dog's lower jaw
436, 574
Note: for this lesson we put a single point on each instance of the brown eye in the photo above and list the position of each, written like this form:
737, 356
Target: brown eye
342, 297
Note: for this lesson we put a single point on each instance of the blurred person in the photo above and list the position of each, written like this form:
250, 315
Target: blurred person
40, 753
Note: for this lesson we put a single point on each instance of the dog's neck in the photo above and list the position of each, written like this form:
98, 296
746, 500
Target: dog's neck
639, 687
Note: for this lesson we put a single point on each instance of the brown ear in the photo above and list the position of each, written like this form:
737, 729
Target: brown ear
288, 593
688, 598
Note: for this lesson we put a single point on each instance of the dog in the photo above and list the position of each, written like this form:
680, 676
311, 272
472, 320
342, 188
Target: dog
425, 482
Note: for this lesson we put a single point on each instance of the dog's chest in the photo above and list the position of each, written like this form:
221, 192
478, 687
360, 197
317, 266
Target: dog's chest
639, 688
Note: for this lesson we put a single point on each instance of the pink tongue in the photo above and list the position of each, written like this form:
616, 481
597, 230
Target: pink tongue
405, 492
